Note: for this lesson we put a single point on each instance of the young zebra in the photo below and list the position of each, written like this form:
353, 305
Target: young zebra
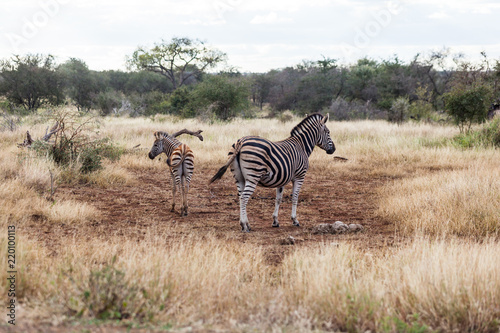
258, 161
180, 159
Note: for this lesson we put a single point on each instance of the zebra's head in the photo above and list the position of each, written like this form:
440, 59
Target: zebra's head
157, 148
324, 140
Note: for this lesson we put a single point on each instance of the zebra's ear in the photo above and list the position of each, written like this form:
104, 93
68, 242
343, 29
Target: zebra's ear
325, 118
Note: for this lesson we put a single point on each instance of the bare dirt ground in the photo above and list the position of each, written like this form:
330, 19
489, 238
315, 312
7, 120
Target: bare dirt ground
134, 210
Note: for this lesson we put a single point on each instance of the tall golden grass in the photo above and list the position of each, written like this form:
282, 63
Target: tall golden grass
443, 200
451, 285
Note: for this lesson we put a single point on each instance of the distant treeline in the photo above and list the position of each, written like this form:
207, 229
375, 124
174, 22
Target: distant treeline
165, 80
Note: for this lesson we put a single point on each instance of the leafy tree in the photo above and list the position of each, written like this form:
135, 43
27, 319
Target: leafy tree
81, 84
31, 81
261, 87
283, 92
398, 110
468, 105
145, 82
222, 95
181, 60
322, 83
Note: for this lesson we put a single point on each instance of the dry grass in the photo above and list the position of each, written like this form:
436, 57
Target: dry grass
464, 202
446, 285
207, 282
438, 191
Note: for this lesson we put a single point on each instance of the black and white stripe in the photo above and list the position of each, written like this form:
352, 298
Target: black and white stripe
258, 161
180, 159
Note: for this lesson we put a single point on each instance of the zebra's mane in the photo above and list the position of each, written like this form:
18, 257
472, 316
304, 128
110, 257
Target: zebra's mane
161, 135
304, 121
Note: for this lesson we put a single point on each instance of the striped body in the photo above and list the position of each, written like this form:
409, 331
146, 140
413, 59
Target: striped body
180, 159
256, 161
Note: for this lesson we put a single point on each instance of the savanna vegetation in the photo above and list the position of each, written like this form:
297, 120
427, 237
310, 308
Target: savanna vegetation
433, 187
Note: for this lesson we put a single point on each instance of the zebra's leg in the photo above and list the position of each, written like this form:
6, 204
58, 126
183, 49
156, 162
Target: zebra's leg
174, 188
297, 184
238, 177
244, 197
279, 196
184, 196
188, 167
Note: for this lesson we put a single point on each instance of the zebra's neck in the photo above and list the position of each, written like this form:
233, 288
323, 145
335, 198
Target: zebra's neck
169, 144
307, 136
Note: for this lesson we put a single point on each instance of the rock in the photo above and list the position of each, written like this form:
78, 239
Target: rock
288, 241
338, 227
355, 227
323, 228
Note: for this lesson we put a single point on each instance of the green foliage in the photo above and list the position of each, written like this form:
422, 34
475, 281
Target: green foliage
468, 105
80, 83
31, 81
398, 110
487, 136
392, 324
105, 295
179, 99
181, 60
421, 108
73, 143
221, 95
107, 101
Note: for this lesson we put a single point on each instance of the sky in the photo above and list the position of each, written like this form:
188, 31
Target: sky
257, 35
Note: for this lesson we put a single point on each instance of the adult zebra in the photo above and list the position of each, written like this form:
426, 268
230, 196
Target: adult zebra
258, 161
180, 159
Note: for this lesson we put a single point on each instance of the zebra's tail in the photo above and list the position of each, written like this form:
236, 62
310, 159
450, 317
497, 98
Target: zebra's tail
223, 170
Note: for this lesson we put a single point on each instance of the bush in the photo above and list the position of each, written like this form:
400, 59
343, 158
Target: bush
108, 101
468, 105
73, 143
342, 109
225, 96
107, 295
487, 136
398, 110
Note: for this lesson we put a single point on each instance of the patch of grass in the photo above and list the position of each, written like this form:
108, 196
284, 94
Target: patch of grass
488, 135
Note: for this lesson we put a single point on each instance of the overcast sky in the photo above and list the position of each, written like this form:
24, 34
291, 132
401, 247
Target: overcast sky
257, 35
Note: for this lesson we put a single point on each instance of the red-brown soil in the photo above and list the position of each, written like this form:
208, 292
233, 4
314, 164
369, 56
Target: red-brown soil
130, 211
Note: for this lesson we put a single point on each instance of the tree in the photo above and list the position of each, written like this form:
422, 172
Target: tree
223, 95
31, 81
80, 83
468, 105
181, 60
322, 83
261, 87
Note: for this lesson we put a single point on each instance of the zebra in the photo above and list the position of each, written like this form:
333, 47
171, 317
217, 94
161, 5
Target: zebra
180, 159
258, 161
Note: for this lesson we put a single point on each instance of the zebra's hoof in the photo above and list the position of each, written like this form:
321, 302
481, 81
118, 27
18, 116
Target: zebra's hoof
276, 225
296, 222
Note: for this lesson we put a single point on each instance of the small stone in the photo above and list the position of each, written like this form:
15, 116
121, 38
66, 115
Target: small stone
340, 227
288, 241
323, 228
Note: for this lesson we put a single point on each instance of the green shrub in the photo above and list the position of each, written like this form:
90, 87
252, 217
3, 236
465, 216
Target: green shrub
107, 101
105, 295
73, 143
468, 105
486, 136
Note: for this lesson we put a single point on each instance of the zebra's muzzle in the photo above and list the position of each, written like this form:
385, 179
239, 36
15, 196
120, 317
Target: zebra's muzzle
330, 150
151, 156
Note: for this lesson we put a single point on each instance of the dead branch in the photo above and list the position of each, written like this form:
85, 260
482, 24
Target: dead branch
185, 131
27, 142
53, 130
340, 159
